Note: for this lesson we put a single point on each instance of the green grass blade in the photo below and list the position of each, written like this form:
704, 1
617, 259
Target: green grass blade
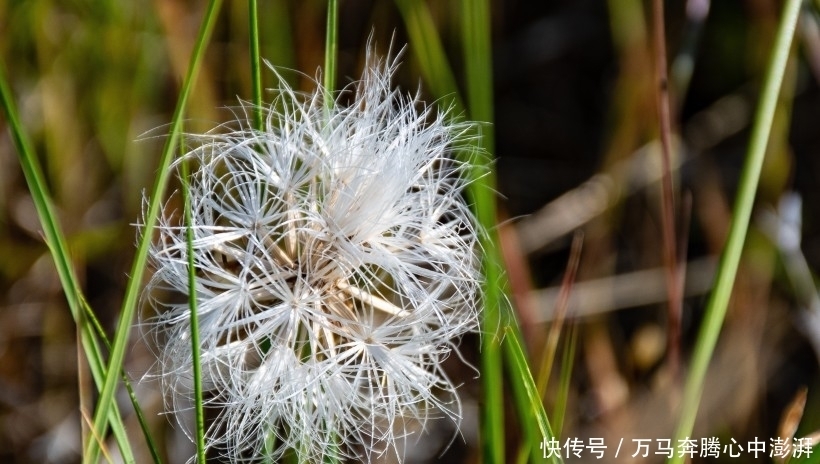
331, 53
331, 50
529, 429
258, 124
192, 304
426, 46
533, 405
55, 239
438, 75
146, 431
475, 15
256, 68
727, 269
491, 370
38, 188
524, 401
558, 414
91, 453
98, 372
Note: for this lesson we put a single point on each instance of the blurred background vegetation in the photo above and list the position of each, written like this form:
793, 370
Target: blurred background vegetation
575, 129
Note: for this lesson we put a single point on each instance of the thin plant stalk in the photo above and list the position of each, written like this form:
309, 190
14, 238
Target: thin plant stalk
547, 358
560, 313
438, 74
52, 232
475, 16
670, 255
89, 316
331, 49
518, 361
256, 67
529, 433
83, 387
258, 124
427, 47
91, 454
562, 398
199, 432
730, 259
331, 53
55, 240
498, 321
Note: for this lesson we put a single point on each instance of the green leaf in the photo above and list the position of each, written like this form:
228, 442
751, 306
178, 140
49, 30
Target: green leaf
730, 259
91, 454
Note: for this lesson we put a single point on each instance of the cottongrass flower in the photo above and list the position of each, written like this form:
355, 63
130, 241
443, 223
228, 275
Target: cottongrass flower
336, 267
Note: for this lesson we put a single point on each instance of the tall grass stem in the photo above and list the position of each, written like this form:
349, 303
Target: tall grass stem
256, 67
331, 50
674, 285
476, 33
518, 360
730, 259
199, 432
91, 453
55, 240
427, 47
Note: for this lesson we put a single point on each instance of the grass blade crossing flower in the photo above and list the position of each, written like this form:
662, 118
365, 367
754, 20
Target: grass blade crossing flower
336, 267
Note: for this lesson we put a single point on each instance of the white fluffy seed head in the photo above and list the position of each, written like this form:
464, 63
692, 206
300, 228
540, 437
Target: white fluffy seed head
336, 267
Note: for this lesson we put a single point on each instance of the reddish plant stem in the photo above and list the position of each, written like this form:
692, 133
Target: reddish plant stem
560, 312
674, 289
